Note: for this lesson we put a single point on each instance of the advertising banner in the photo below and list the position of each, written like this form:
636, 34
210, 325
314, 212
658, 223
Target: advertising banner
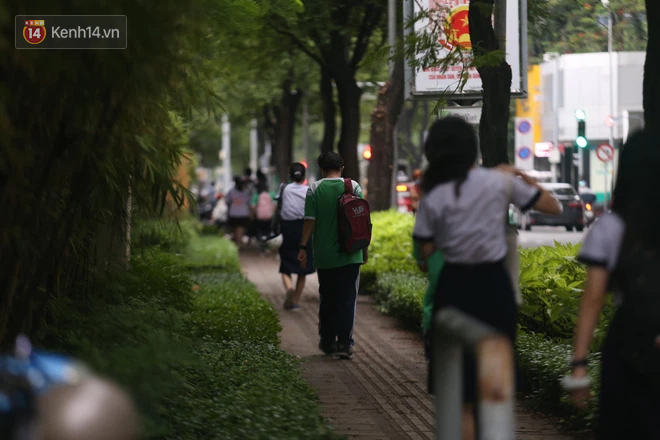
448, 21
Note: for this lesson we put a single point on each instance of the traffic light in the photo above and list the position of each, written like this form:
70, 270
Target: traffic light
581, 139
367, 152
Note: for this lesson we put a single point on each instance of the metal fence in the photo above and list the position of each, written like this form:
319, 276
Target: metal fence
455, 332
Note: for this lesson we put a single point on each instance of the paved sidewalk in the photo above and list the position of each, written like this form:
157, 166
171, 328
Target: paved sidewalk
381, 394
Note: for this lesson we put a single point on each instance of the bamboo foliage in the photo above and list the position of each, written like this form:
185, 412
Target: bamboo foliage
78, 127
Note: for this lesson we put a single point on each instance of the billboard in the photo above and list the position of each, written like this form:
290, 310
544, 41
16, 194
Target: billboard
447, 20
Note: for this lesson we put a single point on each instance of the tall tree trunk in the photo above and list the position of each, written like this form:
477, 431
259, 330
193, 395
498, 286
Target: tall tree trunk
285, 128
652, 66
383, 120
496, 79
270, 129
349, 95
329, 111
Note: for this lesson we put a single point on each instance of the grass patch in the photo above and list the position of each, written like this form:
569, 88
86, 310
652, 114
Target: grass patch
196, 347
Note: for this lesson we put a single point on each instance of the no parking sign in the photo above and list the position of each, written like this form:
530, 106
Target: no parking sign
524, 141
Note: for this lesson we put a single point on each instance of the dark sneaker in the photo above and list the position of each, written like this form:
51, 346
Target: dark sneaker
328, 349
344, 352
295, 307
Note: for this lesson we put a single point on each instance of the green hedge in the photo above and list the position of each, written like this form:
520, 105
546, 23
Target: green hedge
390, 250
196, 347
551, 283
401, 295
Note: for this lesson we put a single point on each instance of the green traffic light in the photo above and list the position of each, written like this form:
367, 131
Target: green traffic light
580, 115
581, 142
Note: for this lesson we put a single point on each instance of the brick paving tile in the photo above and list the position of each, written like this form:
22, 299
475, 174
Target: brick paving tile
381, 394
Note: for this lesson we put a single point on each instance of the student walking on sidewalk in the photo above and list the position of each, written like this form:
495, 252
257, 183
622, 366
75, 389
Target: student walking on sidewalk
263, 209
463, 214
338, 272
622, 252
292, 213
238, 211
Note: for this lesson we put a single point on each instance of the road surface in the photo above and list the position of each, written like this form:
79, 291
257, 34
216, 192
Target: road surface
546, 236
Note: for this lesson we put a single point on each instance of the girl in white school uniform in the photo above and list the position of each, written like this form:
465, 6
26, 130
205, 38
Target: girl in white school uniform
464, 214
622, 253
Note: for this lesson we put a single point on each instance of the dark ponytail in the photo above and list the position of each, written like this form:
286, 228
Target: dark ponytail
451, 149
297, 172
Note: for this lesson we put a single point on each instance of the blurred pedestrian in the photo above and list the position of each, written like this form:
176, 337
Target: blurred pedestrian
238, 211
433, 266
292, 214
263, 209
622, 253
416, 190
463, 213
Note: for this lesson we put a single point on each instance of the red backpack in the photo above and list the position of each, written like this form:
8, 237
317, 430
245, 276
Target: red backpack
354, 220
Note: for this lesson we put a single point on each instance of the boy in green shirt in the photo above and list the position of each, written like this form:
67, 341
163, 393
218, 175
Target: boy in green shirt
338, 272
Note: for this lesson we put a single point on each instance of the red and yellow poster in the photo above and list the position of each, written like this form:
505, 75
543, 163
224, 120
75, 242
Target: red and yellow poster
448, 20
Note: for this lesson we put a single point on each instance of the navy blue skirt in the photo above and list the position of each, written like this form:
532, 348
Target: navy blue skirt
291, 235
484, 292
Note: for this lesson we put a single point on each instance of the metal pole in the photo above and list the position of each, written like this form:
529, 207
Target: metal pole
391, 40
306, 131
254, 152
500, 23
226, 149
454, 332
610, 44
555, 110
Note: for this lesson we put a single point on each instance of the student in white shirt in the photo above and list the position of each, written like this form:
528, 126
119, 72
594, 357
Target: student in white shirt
464, 214
291, 220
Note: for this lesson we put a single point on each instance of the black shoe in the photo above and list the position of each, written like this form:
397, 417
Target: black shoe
328, 349
344, 352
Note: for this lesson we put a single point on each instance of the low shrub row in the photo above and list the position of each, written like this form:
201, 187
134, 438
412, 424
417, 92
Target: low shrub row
390, 249
551, 283
192, 340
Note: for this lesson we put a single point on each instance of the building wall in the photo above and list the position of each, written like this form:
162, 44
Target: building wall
584, 83
532, 106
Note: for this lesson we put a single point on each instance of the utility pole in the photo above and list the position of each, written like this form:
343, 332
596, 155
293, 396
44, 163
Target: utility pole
612, 118
555, 111
254, 149
226, 151
391, 40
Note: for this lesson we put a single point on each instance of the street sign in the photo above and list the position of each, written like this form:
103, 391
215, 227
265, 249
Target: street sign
524, 127
524, 152
543, 149
605, 153
470, 114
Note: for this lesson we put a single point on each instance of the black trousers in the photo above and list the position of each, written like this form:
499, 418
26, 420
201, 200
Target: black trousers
629, 398
338, 288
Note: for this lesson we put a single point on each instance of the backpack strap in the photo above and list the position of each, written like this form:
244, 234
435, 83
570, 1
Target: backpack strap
348, 186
